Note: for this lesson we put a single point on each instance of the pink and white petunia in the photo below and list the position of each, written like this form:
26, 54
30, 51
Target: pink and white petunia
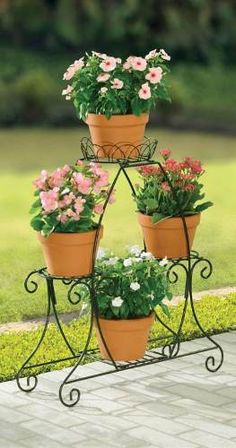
108, 64
154, 75
67, 92
152, 54
103, 77
164, 55
117, 84
139, 64
128, 63
73, 68
145, 92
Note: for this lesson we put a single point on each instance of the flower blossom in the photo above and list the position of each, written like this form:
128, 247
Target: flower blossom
117, 84
152, 54
127, 262
135, 286
72, 69
49, 200
154, 75
108, 64
66, 200
117, 302
83, 183
163, 262
139, 64
103, 77
57, 177
145, 92
40, 182
79, 205
103, 90
98, 209
67, 92
165, 186
134, 250
128, 63
164, 55
165, 153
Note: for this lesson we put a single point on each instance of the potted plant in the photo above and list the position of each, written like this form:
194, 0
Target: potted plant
166, 196
68, 202
128, 291
114, 97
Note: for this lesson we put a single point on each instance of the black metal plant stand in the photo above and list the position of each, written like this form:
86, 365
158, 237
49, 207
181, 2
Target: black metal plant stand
138, 156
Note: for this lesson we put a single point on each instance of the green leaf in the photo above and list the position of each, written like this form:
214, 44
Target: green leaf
201, 207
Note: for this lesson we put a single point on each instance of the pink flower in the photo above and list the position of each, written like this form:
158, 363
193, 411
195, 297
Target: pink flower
103, 90
189, 187
49, 199
164, 55
79, 205
67, 92
66, 200
112, 198
62, 218
57, 177
172, 165
103, 77
108, 64
71, 214
139, 64
165, 186
152, 54
128, 63
79, 162
165, 153
73, 68
154, 75
117, 84
98, 209
83, 183
145, 92
40, 182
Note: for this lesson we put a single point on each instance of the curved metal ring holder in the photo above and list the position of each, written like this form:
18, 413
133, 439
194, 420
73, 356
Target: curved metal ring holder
140, 155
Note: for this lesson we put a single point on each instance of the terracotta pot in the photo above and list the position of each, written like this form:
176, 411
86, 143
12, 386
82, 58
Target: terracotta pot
123, 131
167, 238
69, 254
125, 339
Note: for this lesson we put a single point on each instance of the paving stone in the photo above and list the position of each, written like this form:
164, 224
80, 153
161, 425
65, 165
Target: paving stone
41, 442
208, 440
159, 422
52, 431
199, 394
58, 417
11, 416
223, 430
228, 391
163, 409
110, 436
15, 432
4, 443
216, 413
159, 439
108, 421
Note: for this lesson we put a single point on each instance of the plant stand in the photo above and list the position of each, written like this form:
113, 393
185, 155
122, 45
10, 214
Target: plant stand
166, 348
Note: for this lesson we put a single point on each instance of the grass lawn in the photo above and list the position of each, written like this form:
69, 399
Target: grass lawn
23, 153
215, 314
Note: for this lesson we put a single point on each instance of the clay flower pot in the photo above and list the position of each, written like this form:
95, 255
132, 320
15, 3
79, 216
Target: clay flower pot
125, 339
69, 254
123, 131
167, 238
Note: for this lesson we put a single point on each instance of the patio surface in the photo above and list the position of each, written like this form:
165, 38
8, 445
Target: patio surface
175, 404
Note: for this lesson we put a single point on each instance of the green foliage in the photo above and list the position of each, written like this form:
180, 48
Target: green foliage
171, 191
138, 283
216, 315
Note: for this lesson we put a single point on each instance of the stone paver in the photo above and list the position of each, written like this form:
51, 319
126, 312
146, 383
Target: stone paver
175, 404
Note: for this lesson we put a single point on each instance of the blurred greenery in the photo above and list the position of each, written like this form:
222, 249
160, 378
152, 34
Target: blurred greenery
40, 39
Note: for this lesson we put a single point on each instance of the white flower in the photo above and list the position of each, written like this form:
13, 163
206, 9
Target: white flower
117, 301
151, 296
127, 262
101, 253
146, 255
163, 262
112, 261
103, 89
165, 55
135, 286
152, 54
134, 250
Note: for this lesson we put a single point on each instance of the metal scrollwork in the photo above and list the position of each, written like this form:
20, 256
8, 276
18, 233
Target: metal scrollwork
30, 285
78, 291
72, 399
31, 382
